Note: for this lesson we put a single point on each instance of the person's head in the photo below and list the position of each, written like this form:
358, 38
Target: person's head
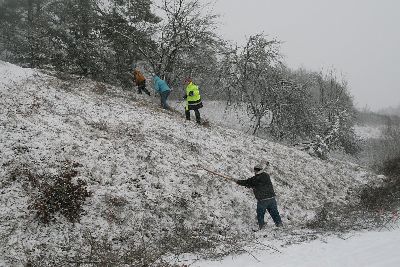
188, 80
261, 167
257, 168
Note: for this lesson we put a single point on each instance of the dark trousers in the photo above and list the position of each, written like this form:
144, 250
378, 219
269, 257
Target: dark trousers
196, 112
272, 207
164, 96
142, 87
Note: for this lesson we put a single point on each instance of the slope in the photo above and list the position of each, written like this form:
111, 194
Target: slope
141, 166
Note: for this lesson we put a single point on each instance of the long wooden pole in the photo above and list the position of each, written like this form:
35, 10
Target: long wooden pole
218, 174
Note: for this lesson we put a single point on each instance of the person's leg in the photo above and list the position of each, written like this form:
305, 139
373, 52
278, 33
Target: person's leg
141, 87
273, 211
164, 97
261, 207
146, 91
144, 88
187, 113
197, 113
161, 99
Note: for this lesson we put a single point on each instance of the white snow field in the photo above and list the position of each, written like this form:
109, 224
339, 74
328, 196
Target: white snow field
141, 164
367, 249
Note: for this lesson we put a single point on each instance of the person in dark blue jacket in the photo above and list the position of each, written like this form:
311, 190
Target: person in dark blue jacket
264, 193
163, 89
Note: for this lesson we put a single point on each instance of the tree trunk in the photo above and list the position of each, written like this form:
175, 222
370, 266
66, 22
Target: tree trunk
30, 34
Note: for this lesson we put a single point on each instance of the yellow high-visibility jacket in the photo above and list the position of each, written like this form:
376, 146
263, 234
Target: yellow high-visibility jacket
193, 99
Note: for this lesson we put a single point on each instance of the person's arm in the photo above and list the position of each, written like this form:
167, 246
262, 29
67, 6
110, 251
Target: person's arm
247, 183
185, 95
156, 86
134, 77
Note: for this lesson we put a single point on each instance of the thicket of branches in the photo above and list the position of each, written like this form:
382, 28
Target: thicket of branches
100, 39
75, 36
301, 105
379, 151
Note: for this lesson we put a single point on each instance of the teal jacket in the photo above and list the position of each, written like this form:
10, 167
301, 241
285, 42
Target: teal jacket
160, 85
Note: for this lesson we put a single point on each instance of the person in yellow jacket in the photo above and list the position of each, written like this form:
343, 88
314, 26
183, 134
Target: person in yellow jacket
193, 100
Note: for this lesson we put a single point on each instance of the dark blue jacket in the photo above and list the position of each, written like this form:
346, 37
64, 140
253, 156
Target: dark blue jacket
261, 185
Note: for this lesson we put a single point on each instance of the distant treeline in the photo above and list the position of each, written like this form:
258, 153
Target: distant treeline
374, 118
100, 39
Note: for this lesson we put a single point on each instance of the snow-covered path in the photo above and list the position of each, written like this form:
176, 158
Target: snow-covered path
373, 249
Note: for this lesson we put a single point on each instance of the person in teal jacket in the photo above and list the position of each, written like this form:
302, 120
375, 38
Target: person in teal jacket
163, 89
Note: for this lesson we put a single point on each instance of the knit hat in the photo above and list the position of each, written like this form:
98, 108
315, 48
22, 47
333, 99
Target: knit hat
258, 167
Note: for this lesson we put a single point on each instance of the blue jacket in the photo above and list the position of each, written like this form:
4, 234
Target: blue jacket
160, 85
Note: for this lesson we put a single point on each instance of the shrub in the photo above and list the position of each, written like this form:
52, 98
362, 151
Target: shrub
385, 149
62, 195
386, 196
371, 206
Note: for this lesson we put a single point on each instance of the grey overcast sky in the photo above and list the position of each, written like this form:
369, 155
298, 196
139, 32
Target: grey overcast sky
359, 38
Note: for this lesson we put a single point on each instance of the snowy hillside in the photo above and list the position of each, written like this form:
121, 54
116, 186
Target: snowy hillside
141, 165
236, 118
369, 132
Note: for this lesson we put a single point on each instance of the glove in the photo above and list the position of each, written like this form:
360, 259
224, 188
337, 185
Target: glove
185, 96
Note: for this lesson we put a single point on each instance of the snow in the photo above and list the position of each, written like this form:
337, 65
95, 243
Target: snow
233, 117
368, 132
238, 118
373, 249
219, 113
130, 149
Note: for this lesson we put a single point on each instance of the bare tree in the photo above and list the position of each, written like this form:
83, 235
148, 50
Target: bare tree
250, 76
186, 31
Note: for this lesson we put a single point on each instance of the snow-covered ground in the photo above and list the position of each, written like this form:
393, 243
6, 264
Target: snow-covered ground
141, 165
218, 112
372, 249
368, 132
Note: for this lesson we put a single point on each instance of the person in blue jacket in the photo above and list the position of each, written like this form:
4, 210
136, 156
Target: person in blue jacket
163, 89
